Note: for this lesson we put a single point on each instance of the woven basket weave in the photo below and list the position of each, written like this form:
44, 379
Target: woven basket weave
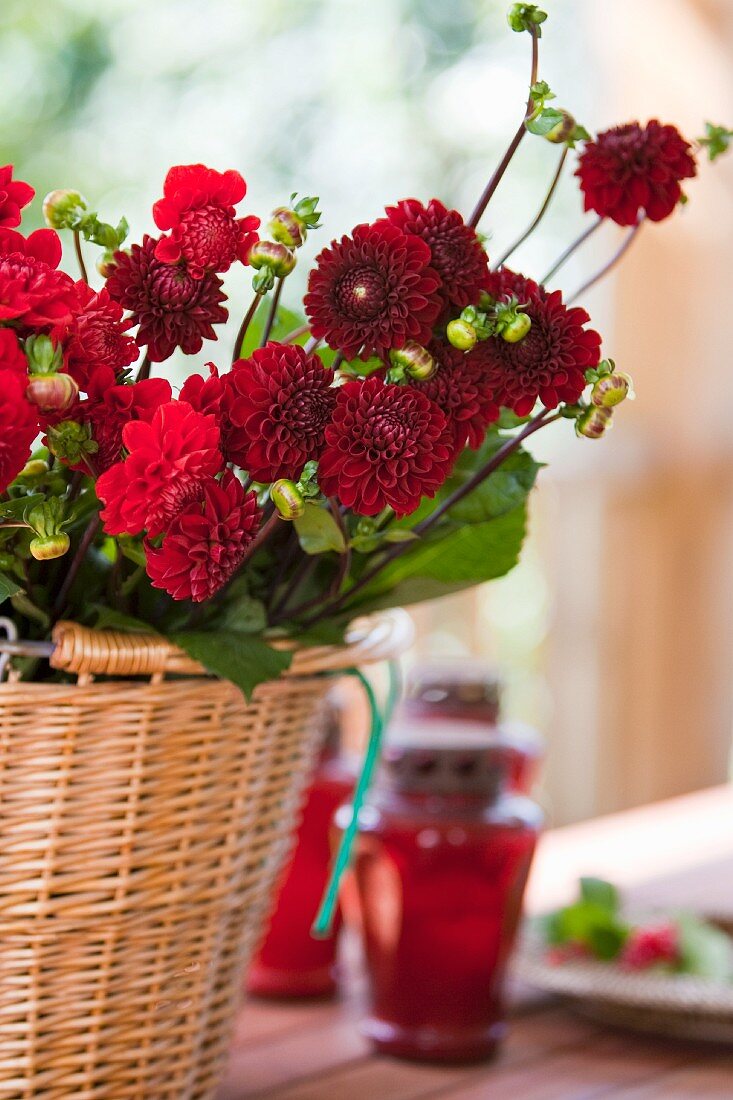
142, 824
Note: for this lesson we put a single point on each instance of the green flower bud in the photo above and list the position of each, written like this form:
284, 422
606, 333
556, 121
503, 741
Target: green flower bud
43, 548
64, 209
287, 228
287, 498
611, 390
562, 130
71, 442
461, 335
44, 357
415, 360
52, 392
593, 422
105, 264
273, 256
524, 17
516, 328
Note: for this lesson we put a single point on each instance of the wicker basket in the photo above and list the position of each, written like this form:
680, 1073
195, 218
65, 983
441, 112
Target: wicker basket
142, 824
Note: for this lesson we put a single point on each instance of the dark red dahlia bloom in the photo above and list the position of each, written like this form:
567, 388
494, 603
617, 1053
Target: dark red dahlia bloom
632, 168
12, 356
109, 407
169, 457
198, 206
373, 291
206, 542
281, 400
458, 388
96, 337
549, 364
14, 195
506, 284
32, 292
455, 250
18, 427
387, 446
173, 309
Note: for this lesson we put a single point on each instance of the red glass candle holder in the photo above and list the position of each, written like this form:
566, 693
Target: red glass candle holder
441, 865
290, 962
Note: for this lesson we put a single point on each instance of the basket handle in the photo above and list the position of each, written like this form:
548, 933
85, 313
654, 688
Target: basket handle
86, 652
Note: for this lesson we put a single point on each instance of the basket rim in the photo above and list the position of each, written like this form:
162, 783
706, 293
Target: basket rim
85, 651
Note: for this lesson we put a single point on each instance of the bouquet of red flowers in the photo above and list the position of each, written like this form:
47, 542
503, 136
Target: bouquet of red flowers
365, 453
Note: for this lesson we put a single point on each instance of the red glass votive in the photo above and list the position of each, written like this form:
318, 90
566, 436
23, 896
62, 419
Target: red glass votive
290, 962
441, 865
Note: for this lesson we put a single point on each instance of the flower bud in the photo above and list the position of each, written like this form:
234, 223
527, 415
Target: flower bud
271, 255
287, 228
593, 422
562, 130
461, 335
71, 442
63, 209
105, 264
524, 17
52, 392
415, 360
611, 390
46, 547
516, 329
287, 498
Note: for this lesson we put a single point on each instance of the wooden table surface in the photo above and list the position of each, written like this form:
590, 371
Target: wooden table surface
678, 853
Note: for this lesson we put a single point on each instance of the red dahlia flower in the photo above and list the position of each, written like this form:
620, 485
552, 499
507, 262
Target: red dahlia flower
387, 446
373, 291
206, 541
96, 337
18, 427
549, 363
211, 395
169, 457
12, 356
109, 407
32, 292
281, 400
458, 388
632, 168
14, 195
455, 250
198, 206
173, 309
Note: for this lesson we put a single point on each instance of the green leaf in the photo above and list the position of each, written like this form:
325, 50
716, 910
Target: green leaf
318, 531
398, 534
242, 658
589, 923
242, 612
132, 550
15, 509
600, 892
705, 950
502, 491
8, 587
438, 565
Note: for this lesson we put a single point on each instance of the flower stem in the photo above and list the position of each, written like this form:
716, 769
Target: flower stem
540, 214
79, 256
86, 541
271, 315
571, 248
495, 180
244, 326
345, 557
628, 239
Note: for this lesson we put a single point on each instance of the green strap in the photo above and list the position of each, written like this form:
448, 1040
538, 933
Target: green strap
321, 928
